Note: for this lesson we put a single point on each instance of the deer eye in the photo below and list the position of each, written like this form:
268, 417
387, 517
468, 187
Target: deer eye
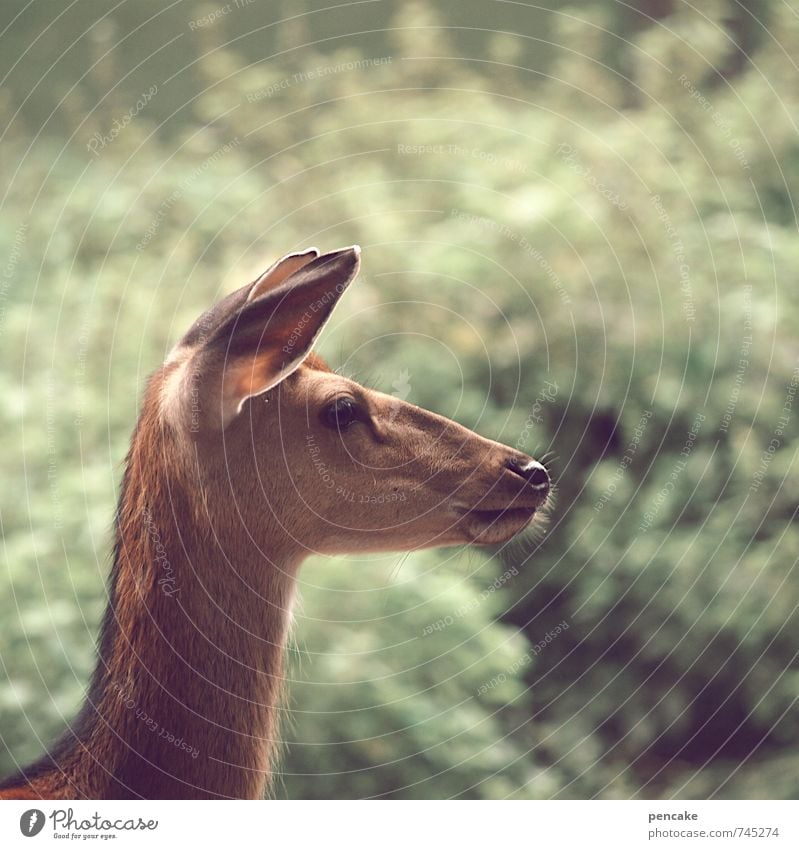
340, 414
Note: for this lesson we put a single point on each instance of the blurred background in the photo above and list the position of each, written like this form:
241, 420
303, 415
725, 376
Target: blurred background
579, 236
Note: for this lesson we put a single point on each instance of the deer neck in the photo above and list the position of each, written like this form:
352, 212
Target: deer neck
186, 696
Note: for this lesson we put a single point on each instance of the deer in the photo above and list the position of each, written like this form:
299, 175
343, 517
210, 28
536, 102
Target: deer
220, 503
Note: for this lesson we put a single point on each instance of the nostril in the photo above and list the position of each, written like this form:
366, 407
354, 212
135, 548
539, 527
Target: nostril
538, 476
533, 472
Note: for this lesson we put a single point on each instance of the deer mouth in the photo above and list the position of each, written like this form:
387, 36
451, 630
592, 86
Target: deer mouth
490, 527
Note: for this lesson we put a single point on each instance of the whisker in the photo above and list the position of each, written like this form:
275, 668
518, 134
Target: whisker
394, 574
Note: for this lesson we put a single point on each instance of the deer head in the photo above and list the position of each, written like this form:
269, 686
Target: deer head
250, 454
307, 459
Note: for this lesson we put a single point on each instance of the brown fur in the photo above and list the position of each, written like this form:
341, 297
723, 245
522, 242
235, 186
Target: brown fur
213, 523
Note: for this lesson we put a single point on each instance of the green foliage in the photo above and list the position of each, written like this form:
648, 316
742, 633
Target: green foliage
411, 682
589, 263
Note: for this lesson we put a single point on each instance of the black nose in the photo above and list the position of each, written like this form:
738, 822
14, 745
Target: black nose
533, 472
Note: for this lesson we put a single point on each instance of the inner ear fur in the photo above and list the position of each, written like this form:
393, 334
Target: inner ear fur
278, 273
212, 319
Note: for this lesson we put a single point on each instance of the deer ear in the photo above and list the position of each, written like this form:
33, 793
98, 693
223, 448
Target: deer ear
268, 338
280, 271
213, 318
